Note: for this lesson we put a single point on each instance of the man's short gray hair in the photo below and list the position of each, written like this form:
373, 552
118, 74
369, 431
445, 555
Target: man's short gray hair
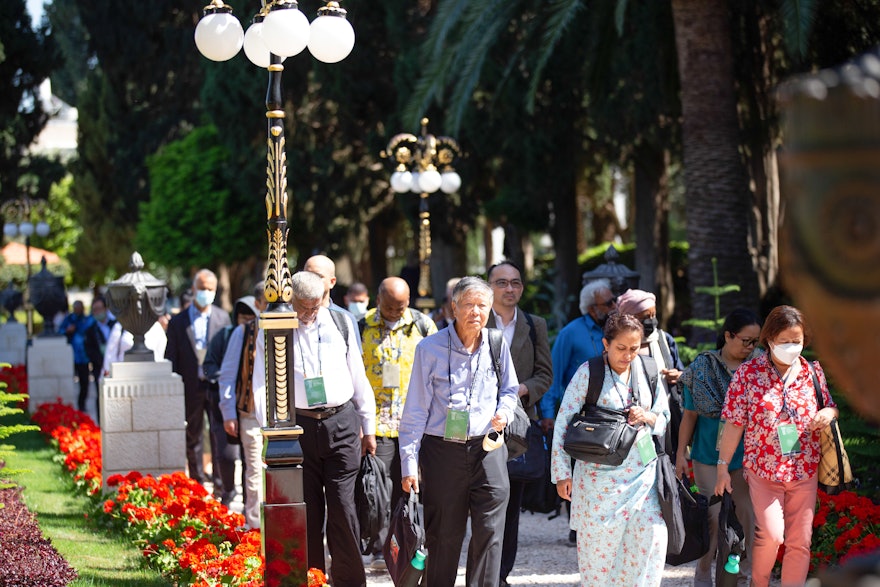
471, 284
589, 291
307, 285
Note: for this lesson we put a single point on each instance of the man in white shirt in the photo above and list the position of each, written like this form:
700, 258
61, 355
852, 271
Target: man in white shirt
337, 411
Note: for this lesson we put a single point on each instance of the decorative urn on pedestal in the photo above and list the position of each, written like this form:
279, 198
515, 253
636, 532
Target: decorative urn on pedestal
137, 299
47, 296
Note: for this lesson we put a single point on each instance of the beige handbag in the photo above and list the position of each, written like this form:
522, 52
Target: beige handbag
835, 474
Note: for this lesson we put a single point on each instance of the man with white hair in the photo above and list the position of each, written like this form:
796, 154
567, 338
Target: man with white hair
335, 406
578, 342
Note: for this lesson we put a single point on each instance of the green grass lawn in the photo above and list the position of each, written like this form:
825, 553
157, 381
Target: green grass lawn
49, 493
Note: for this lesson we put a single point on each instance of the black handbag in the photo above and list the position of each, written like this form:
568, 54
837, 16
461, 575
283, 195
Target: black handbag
695, 514
405, 536
530, 465
599, 435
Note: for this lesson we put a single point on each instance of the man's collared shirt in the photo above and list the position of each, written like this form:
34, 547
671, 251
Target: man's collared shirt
386, 344
474, 387
506, 329
320, 349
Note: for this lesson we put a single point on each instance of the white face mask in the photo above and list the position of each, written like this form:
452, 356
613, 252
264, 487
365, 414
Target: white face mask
205, 297
358, 309
787, 353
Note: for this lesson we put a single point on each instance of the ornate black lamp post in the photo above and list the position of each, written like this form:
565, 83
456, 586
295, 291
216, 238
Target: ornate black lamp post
18, 215
423, 165
278, 31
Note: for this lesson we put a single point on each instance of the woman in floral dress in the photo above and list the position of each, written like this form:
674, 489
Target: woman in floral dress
772, 399
621, 535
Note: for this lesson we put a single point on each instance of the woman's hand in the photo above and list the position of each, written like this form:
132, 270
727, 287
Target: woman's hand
681, 464
637, 415
822, 418
563, 488
722, 481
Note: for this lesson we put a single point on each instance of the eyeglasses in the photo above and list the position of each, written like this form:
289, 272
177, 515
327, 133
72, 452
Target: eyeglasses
747, 341
607, 303
504, 283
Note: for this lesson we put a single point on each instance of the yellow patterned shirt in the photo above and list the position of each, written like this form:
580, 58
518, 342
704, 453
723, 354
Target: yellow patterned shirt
391, 347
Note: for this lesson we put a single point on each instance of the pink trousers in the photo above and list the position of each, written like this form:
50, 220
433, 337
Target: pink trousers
783, 515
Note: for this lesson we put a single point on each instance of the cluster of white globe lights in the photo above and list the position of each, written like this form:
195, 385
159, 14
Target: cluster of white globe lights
426, 181
25, 228
280, 28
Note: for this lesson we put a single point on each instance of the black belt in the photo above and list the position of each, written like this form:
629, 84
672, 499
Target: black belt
321, 413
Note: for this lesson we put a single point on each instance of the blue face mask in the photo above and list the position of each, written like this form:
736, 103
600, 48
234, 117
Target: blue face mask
204, 298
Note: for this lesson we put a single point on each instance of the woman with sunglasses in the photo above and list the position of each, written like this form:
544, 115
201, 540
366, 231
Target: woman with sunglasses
704, 387
772, 399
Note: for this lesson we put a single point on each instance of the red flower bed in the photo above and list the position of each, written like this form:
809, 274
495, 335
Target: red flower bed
15, 378
189, 537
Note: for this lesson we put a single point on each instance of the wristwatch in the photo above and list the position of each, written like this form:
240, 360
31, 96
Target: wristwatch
722, 462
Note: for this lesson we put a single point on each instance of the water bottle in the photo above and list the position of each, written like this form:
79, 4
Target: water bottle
731, 572
412, 576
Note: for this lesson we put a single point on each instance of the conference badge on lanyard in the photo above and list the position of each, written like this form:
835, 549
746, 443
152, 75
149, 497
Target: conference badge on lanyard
789, 443
456, 425
315, 392
390, 375
645, 444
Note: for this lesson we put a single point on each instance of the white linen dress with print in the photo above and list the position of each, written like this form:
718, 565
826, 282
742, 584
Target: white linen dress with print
621, 535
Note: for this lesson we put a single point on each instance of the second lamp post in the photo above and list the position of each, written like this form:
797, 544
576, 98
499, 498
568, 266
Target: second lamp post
423, 165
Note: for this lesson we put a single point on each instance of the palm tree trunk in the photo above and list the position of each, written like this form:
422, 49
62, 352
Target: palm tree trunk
717, 193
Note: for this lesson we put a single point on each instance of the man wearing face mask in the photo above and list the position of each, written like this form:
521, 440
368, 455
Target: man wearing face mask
189, 332
660, 345
357, 299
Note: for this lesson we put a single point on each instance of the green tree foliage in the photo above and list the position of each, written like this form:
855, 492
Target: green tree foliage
26, 59
190, 219
69, 79
140, 94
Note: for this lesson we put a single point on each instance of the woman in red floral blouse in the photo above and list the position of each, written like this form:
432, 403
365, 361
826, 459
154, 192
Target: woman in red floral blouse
772, 399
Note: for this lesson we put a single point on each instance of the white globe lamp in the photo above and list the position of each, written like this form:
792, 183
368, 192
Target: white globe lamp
401, 181
450, 181
430, 180
414, 183
331, 38
42, 229
285, 29
26, 228
254, 47
219, 35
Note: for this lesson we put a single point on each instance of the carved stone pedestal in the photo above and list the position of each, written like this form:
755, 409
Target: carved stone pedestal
50, 372
143, 422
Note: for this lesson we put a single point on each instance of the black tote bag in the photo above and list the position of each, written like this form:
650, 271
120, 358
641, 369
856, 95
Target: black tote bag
695, 514
405, 536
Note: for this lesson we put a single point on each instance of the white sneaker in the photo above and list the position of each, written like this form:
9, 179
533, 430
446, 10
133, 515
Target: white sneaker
378, 562
492, 441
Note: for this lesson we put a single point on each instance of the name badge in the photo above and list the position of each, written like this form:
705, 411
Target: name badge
315, 393
645, 444
456, 426
720, 432
200, 355
390, 375
789, 442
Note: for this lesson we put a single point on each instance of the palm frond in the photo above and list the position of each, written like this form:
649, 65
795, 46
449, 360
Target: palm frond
449, 15
798, 17
560, 14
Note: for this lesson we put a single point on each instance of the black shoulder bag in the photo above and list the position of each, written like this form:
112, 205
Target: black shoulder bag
596, 434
